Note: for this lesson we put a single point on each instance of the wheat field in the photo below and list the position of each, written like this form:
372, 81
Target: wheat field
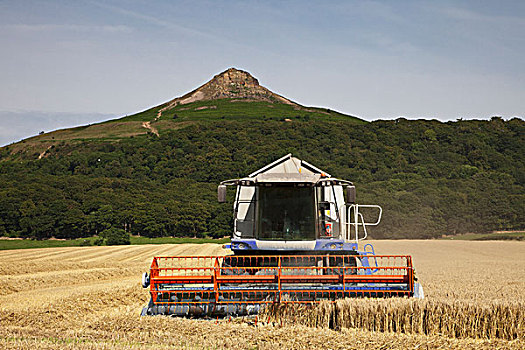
90, 298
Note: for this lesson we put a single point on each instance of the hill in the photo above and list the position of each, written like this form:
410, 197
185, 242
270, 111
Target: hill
431, 178
231, 95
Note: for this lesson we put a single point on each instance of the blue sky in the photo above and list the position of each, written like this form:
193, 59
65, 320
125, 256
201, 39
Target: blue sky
65, 63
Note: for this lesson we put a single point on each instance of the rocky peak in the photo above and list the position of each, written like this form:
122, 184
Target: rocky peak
232, 83
233, 79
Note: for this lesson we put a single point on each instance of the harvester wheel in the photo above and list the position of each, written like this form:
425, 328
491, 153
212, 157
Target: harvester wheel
145, 280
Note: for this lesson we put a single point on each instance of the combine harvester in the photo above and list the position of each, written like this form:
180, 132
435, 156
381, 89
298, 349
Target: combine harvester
295, 240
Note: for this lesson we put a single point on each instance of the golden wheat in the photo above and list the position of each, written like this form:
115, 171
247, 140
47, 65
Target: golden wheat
455, 319
90, 297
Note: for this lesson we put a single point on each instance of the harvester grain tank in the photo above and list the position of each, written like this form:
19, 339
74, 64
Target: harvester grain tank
296, 239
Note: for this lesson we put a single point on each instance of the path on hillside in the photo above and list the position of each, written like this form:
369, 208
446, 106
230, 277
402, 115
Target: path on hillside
41, 155
148, 126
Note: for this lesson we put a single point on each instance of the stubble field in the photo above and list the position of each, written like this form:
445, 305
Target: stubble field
90, 297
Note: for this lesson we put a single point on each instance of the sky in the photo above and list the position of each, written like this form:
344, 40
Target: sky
69, 63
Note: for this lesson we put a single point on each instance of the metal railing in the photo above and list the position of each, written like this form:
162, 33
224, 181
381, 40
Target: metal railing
355, 220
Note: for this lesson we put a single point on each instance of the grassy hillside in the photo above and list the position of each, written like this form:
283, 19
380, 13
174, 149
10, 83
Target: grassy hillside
172, 119
233, 109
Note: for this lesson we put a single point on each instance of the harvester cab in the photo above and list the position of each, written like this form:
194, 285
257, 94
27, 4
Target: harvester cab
292, 206
295, 240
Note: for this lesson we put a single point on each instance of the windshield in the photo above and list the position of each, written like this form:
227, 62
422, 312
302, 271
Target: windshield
286, 213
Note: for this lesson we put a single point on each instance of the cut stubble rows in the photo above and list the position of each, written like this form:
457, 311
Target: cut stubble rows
90, 297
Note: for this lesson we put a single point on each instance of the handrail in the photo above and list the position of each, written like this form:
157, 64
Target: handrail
364, 227
359, 220
357, 206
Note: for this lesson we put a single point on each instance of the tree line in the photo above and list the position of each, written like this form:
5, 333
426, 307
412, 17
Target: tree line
431, 178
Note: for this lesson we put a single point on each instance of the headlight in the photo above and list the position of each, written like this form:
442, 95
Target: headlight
240, 246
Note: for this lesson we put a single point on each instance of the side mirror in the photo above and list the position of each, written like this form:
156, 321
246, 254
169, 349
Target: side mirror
350, 195
221, 193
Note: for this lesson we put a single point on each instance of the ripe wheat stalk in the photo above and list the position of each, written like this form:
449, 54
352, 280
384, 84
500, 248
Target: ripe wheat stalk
454, 319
